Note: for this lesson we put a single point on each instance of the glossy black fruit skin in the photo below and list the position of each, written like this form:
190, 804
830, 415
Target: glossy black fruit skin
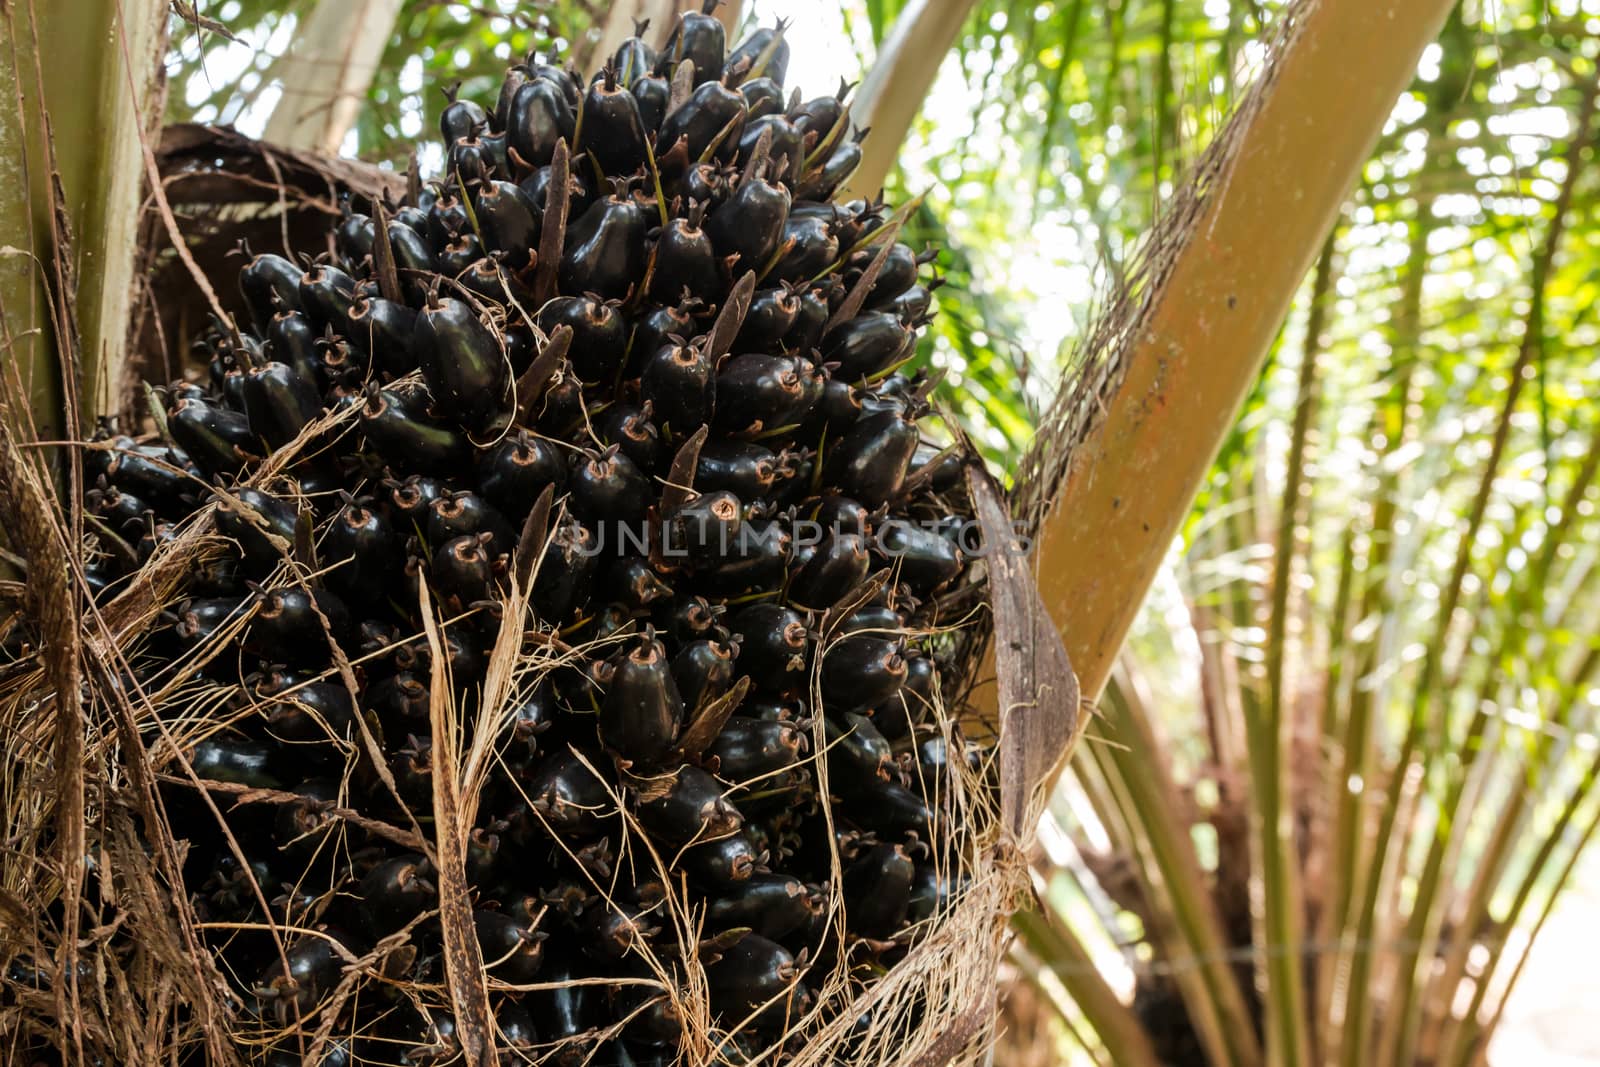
409, 439
455, 256
599, 334
634, 59
218, 439
411, 500
772, 315
569, 798
513, 473
890, 810
565, 576
447, 219
413, 258
654, 96
613, 129
763, 96
463, 362
677, 381
862, 671
539, 117
383, 329
775, 645
252, 518
786, 146
825, 181
278, 402
877, 889
858, 754
610, 489
461, 118
758, 392
722, 864
710, 110
509, 221
686, 260
927, 561
642, 711
563, 1009
746, 469
756, 977
700, 39
686, 806
839, 565
397, 891
750, 224
703, 671
750, 748
269, 282
912, 705
867, 344
291, 339
634, 431
771, 905
511, 951
755, 559
294, 985
465, 514
605, 248
767, 53
871, 462
326, 293
293, 625
224, 758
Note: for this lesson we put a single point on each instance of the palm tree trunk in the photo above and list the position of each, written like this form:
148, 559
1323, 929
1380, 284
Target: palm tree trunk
327, 71
81, 106
1242, 245
894, 89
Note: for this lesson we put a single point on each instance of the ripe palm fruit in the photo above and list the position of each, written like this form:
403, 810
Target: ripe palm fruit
642, 369
643, 711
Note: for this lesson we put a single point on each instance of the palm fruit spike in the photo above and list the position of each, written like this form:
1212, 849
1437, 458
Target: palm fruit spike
643, 368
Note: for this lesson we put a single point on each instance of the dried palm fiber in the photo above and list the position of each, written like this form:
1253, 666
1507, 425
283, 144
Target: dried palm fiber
408, 818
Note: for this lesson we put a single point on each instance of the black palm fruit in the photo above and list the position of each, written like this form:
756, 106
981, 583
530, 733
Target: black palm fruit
406, 437
750, 224
613, 130
871, 461
763, 54
509, 221
732, 531
609, 488
513, 473
599, 334
539, 117
634, 58
634, 431
713, 116
700, 39
867, 344
605, 248
654, 96
642, 711
677, 381
685, 259
462, 361
269, 283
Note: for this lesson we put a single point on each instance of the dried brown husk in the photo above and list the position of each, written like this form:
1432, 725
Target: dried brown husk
146, 989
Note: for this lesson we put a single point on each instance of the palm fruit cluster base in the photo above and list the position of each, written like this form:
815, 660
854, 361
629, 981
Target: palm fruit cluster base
628, 357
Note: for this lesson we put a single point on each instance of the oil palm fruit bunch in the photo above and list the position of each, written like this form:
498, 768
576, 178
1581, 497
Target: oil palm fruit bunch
629, 355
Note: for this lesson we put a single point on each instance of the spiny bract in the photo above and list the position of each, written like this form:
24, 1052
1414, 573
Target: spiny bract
630, 317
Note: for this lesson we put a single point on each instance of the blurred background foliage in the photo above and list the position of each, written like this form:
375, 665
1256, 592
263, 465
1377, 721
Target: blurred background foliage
1396, 550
